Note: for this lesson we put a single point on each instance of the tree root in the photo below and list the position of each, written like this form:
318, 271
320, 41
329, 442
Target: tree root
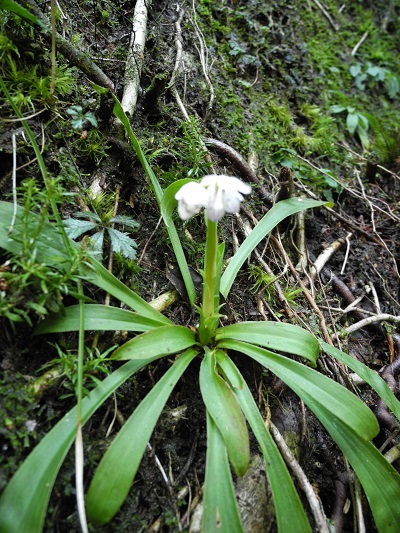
75, 56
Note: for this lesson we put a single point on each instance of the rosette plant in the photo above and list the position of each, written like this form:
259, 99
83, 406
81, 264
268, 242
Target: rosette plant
230, 407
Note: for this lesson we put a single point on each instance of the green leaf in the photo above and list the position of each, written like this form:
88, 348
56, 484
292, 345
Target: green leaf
117, 469
352, 122
378, 478
366, 143
220, 511
88, 214
95, 245
75, 228
369, 376
222, 406
97, 317
288, 507
355, 69
164, 340
126, 221
9, 5
50, 249
24, 501
121, 243
100, 276
173, 235
337, 108
316, 390
275, 215
168, 203
275, 336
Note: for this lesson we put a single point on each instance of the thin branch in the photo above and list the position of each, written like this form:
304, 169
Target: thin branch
134, 60
75, 56
371, 320
313, 500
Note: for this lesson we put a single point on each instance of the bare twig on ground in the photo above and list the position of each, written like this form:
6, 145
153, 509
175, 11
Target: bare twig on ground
306, 292
69, 51
393, 454
370, 320
246, 229
240, 164
345, 220
357, 46
313, 500
324, 257
327, 15
134, 60
203, 54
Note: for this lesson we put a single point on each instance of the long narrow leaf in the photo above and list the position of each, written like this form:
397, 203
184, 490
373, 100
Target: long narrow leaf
220, 511
275, 215
380, 481
14, 7
316, 390
164, 340
97, 318
274, 336
117, 469
100, 276
173, 235
222, 406
24, 501
288, 507
369, 376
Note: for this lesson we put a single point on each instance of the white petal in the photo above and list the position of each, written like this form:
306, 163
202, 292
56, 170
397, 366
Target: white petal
215, 209
232, 201
191, 198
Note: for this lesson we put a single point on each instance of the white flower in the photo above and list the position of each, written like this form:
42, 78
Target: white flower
191, 198
218, 194
224, 195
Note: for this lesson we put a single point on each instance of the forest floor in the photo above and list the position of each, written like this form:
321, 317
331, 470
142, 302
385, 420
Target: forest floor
295, 85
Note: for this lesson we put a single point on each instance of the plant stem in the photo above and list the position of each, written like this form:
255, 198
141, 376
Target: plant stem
209, 308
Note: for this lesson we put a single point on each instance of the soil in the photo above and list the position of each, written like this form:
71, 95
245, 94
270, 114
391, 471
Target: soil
275, 70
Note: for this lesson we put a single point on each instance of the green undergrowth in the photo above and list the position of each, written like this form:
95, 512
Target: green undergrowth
278, 70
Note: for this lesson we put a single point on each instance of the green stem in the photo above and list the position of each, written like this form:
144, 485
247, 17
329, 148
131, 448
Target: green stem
209, 309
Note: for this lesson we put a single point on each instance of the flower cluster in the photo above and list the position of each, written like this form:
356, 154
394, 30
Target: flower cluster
218, 194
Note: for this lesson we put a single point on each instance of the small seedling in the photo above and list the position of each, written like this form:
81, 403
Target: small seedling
78, 117
120, 242
356, 122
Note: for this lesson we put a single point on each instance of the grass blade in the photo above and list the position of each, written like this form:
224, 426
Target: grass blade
97, 318
117, 469
220, 511
275, 215
165, 340
24, 501
275, 336
288, 507
173, 235
369, 376
222, 406
316, 390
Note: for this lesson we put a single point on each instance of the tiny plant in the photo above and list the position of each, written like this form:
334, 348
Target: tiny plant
364, 74
79, 118
101, 225
356, 122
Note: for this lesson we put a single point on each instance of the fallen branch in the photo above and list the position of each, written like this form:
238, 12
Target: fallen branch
75, 56
134, 60
313, 500
371, 320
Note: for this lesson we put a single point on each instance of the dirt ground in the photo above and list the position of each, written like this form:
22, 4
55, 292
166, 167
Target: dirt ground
260, 77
